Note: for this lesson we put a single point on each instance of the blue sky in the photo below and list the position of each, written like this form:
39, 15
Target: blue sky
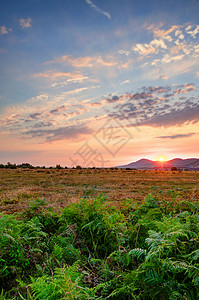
118, 77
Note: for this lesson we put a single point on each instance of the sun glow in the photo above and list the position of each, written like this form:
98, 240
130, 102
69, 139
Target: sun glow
161, 158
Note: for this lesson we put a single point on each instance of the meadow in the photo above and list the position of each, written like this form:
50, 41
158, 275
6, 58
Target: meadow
99, 234
63, 186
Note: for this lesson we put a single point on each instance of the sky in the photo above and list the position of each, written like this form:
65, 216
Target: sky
98, 83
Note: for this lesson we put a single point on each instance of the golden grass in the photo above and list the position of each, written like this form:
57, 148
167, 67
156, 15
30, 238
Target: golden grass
60, 187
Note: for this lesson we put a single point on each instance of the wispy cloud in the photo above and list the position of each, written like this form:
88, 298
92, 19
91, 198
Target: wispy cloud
79, 90
82, 62
164, 77
125, 81
58, 109
68, 81
25, 23
176, 136
105, 13
62, 133
54, 75
159, 32
124, 52
172, 51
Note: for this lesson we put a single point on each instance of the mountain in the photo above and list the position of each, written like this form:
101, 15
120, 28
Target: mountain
179, 163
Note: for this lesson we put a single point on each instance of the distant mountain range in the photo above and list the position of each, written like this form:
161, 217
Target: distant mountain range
179, 163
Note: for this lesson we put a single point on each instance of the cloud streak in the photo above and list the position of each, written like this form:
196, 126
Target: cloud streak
62, 133
176, 136
93, 6
82, 62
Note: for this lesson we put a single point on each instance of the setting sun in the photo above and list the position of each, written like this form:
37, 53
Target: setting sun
161, 159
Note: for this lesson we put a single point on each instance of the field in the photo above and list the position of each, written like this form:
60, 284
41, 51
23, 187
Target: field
61, 187
99, 234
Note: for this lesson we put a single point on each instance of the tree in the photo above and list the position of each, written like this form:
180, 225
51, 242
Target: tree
78, 167
174, 169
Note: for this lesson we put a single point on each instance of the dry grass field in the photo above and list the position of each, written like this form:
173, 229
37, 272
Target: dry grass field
59, 187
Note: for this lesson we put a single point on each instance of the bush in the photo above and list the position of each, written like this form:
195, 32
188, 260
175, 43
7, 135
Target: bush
92, 250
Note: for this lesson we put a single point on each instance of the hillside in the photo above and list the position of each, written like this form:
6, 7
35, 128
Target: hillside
190, 164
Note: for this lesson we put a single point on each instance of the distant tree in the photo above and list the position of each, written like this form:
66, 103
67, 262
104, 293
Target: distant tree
10, 166
58, 167
79, 167
25, 165
2, 166
174, 169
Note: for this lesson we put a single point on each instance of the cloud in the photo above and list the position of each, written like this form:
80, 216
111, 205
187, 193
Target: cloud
113, 99
174, 117
158, 43
82, 62
156, 89
156, 107
179, 34
170, 50
68, 81
35, 116
124, 52
75, 77
153, 47
76, 91
173, 68
184, 89
125, 81
129, 97
58, 109
62, 133
163, 77
3, 30
25, 23
176, 136
42, 124
92, 5
144, 49
194, 32
126, 65
168, 58
159, 32
55, 75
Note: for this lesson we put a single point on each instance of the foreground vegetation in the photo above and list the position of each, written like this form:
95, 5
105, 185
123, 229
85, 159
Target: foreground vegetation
93, 250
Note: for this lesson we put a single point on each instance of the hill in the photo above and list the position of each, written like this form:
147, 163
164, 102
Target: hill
179, 163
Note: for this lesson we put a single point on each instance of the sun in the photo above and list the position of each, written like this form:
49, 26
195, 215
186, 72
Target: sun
161, 159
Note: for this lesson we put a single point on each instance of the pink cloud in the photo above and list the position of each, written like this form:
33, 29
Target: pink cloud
3, 30
82, 62
54, 75
25, 23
